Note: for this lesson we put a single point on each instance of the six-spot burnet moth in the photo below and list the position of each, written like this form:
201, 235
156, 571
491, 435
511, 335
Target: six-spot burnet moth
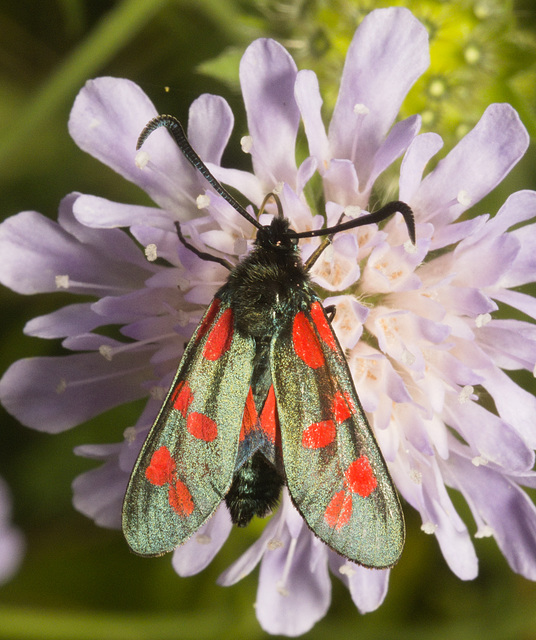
262, 398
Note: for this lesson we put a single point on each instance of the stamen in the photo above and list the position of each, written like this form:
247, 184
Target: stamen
109, 352
246, 142
408, 358
202, 201
142, 159
428, 527
352, 211
151, 252
465, 394
347, 569
129, 434
484, 532
273, 544
482, 319
62, 282
463, 198
415, 476
281, 584
479, 461
360, 109
158, 393
409, 247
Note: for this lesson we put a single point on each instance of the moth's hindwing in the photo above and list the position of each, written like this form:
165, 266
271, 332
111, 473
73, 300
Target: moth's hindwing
187, 462
335, 473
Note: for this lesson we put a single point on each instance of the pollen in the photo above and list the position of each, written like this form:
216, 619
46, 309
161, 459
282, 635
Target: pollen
129, 434
415, 476
463, 198
465, 394
202, 201
361, 109
203, 538
151, 252
352, 211
142, 159
346, 570
62, 282
428, 528
106, 352
484, 532
246, 142
479, 461
482, 319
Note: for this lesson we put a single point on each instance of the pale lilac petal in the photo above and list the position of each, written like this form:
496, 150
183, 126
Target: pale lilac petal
307, 93
421, 149
368, 587
67, 321
99, 493
107, 117
393, 147
292, 595
388, 53
210, 122
198, 552
517, 300
515, 405
473, 168
267, 77
100, 213
54, 387
504, 507
498, 442
510, 343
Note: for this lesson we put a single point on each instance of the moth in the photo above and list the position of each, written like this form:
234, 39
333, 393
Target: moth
263, 398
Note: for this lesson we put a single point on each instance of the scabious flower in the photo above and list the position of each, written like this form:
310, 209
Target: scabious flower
427, 355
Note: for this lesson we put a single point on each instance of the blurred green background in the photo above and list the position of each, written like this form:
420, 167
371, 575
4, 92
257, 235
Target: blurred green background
80, 581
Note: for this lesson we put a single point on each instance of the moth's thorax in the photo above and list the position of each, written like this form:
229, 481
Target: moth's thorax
269, 283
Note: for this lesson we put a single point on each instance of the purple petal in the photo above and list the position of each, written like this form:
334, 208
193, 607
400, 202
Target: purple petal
199, 551
210, 122
475, 166
100, 213
368, 587
267, 77
67, 321
420, 151
388, 53
309, 101
394, 146
99, 493
294, 593
107, 117
504, 507
489, 436
54, 394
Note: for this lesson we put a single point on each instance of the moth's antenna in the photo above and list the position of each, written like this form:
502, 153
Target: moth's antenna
175, 128
377, 216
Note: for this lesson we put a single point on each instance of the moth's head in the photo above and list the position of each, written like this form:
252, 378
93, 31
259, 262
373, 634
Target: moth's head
277, 234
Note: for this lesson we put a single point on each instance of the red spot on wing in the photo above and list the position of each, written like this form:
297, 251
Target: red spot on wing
202, 427
322, 325
220, 337
180, 499
182, 397
339, 510
269, 419
250, 417
319, 434
208, 319
162, 467
306, 343
360, 478
342, 407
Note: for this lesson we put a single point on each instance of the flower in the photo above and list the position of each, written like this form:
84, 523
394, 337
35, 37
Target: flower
11, 540
427, 356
